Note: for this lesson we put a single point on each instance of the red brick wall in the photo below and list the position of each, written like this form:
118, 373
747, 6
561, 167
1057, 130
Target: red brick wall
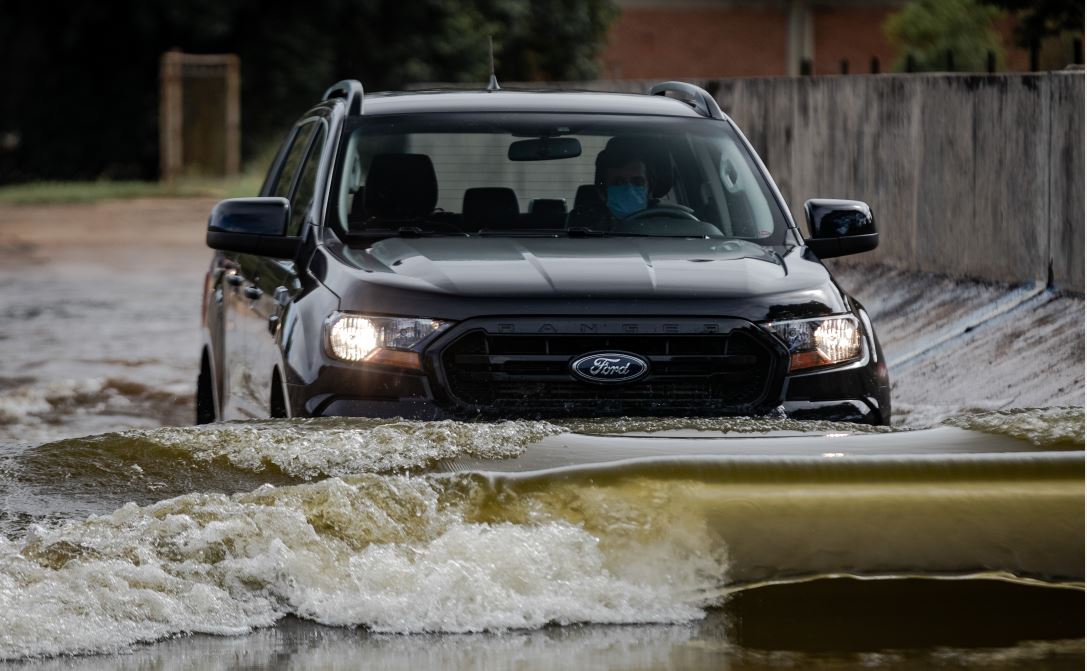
705, 42
854, 34
662, 42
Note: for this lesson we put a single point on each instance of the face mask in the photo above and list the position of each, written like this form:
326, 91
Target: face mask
626, 199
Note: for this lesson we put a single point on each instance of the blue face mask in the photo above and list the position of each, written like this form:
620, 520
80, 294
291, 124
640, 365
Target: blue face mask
626, 199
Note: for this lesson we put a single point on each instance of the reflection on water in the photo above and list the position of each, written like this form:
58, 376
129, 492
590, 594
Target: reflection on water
830, 625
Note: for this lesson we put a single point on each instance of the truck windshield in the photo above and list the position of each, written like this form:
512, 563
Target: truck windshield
550, 175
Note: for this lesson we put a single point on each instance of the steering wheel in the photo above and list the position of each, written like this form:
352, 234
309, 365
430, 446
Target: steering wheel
663, 210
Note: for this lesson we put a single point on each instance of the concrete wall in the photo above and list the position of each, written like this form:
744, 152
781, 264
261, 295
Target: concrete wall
968, 175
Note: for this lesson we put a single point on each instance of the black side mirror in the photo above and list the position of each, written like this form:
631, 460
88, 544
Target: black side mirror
253, 226
840, 227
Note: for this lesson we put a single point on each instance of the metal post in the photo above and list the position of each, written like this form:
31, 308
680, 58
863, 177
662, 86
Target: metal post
911, 63
805, 67
950, 60
844, 66
233, 115
170, 111
1034, 51
990, 62
874, 65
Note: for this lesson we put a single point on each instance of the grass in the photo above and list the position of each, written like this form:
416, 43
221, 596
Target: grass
50, 193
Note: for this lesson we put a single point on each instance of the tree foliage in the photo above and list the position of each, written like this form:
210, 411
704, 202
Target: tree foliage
931, 29
1038, 19
80, 86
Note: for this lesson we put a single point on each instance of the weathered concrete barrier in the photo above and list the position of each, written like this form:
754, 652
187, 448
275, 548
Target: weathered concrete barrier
969, 175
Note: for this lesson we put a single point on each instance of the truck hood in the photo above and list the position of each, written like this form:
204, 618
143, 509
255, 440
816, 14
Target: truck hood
460, 278
574, 268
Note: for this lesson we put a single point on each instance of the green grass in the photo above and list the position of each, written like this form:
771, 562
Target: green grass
48, 193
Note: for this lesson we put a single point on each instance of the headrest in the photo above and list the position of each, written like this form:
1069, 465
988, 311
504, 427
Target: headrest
401, 186
547, 206
587, 197
490, 207
623, 149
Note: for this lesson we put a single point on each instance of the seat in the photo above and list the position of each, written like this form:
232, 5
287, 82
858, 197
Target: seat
589, 210
545, 213
587, 197
490, 208
356, 218
400, 187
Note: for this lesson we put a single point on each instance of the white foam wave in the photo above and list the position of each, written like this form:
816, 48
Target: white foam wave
38, 411
341, 447
1043, 427
395, 554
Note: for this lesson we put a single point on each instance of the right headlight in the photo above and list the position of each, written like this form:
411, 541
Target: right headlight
818, 342
387, 340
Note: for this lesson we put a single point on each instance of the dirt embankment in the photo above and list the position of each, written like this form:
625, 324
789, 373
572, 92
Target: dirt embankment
139, 231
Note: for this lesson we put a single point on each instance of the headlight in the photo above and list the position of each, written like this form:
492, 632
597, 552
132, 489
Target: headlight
388, 340
824, 341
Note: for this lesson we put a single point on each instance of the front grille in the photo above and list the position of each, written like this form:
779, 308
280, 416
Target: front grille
529, 375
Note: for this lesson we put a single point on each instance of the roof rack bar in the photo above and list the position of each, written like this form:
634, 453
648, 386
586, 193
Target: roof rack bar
350, 90
697, 97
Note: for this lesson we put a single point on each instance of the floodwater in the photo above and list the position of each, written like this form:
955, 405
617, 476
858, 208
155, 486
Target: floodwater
129, 540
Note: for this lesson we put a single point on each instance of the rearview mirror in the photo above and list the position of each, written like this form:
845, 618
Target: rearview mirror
252, 226
545, 149
840, 227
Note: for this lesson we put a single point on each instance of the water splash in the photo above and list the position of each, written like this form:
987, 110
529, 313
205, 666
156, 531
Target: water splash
1058, 427
396, 554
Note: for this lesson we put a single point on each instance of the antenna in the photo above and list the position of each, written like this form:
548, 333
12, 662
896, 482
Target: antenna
492, 85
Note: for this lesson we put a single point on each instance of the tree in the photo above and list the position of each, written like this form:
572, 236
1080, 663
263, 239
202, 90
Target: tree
1038, 19
929, 30
80, 86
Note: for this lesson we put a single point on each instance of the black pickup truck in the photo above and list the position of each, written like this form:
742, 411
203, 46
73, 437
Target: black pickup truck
497, 254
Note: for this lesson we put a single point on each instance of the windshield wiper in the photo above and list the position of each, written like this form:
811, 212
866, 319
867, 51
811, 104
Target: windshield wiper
582, 232
404, 232
416, 232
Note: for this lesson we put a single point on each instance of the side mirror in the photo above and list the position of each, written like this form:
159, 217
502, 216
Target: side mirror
840, 227
253, 226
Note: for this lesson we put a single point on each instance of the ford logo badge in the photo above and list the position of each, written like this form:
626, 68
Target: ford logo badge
609, 367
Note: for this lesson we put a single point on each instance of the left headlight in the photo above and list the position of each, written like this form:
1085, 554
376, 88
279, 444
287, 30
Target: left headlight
388, 340
823, 341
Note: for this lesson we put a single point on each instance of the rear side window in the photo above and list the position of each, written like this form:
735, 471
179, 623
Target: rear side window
283, 182
302, 199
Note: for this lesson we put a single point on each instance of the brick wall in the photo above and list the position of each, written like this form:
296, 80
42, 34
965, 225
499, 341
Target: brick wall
851, 33
664, 42
738, 39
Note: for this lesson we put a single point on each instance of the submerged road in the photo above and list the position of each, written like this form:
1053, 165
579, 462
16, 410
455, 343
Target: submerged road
671, 543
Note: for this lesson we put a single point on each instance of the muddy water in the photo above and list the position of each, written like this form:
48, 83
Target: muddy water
703, 531
133, 541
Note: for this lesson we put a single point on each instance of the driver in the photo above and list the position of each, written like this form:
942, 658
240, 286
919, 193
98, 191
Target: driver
623, 180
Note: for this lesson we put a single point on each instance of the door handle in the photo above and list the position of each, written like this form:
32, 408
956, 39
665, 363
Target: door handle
234, 279
252, 293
